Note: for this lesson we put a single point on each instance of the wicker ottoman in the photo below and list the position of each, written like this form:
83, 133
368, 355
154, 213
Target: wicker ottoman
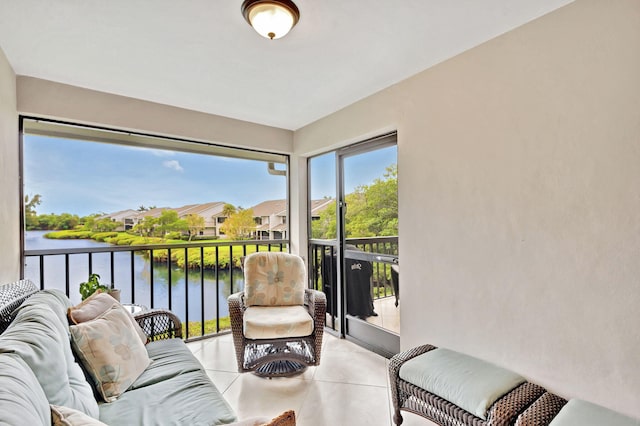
409, 397
542, 411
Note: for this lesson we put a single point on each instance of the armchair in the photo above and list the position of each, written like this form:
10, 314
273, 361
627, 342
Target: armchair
277, 322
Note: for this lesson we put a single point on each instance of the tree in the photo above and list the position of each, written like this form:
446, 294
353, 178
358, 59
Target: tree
325, 226
195, 223
30, 215
146, 227
228, 210
104, 225
239, 225
372, 210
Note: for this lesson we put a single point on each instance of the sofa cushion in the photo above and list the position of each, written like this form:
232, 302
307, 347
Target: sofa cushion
97, 304
583, 413
110, 351
56, 300
169, 358
22, 400
42, 341
470, 383
65, 416
274, 279
174, 379
186, 399
271, 322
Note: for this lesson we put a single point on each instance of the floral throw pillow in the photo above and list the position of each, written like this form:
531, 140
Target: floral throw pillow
110, 351
65, 416
97, 304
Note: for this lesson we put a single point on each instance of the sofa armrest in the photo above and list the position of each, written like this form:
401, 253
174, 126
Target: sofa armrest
11, 297
159, 324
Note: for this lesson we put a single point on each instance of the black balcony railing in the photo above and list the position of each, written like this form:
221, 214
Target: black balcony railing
192, 279
322, 267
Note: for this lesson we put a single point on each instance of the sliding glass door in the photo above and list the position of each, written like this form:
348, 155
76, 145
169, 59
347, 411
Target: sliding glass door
355, 242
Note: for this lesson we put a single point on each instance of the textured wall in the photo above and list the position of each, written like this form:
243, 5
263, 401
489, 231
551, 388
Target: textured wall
519, 174
63, 102
9, 186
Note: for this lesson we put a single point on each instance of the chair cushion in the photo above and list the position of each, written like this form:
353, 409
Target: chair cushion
42, 341
265, 322
470, 383
274, 279
583, 413
22, 400
97, 304
110, 351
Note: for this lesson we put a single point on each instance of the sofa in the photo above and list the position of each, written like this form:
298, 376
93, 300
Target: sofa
44, 381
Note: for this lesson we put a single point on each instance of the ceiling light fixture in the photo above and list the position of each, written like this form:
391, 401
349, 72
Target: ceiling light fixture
271, 18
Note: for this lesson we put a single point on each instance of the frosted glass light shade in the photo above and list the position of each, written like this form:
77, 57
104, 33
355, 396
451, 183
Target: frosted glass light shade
271, 19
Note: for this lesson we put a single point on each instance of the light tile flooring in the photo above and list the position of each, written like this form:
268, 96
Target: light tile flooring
388, 314
349, 387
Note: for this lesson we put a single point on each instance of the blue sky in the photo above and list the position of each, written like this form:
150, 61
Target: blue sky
360, 169
83, 178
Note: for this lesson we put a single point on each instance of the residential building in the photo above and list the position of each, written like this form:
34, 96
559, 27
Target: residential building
271, 217
211, 212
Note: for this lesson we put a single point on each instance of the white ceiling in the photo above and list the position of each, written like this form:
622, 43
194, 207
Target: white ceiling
202, 55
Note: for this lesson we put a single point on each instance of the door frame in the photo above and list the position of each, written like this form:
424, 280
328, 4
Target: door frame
375, 338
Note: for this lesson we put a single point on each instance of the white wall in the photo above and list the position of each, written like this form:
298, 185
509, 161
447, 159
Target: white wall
519, 176
44, 98
9, 186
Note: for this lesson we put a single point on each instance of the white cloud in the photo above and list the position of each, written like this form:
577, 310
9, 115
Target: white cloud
161, 152
173, 164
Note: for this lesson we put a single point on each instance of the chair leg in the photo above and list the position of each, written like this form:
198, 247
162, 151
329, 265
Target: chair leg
397, 418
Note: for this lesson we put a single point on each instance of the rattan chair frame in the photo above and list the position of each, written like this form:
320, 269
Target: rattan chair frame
542, 411
159, 324
11, 297
254, 354
408, 397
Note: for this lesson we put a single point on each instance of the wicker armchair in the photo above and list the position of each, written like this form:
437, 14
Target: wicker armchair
159, 324
277, 323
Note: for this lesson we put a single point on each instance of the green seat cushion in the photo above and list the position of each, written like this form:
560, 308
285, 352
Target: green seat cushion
38, 337
470, 383
169, 358
173, 390
22, 400
186, 399
583, 413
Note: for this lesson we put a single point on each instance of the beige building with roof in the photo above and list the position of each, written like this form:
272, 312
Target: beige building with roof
271, 217
211, 212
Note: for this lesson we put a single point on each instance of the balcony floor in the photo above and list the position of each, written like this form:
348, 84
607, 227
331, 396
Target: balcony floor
388, 314
349, 387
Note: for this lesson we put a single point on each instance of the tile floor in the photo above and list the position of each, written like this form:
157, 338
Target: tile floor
388, 314
349, 387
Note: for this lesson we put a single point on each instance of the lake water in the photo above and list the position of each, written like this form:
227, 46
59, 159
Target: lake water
215, 296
